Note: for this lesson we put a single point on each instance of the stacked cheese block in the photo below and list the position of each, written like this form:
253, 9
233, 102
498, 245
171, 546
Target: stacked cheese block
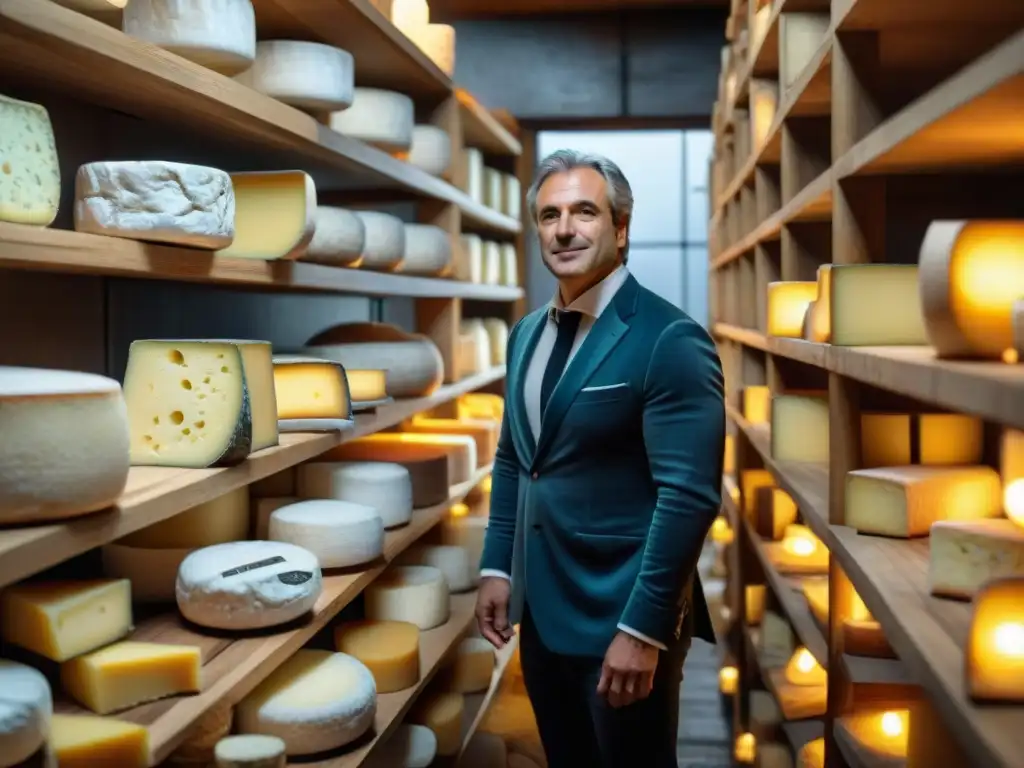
486, 262
497, 190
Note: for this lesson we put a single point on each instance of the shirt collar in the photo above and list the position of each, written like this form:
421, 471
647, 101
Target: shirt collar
595, 299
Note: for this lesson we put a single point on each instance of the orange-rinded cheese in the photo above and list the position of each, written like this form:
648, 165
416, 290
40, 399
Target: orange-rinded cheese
87, 741
441, 712
389, 649
399, 447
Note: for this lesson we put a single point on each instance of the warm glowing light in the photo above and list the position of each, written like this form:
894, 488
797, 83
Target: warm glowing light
801, 547
811, 754
754, 596
816, 593
787, 305
859, 611
1013, 501
804, 669
745, 751
729, 460
458, 510
750, 481
800, 541
721, 531
727, 680
994, 656
1008, 639
410, 13
892, 724
366, 385
1011, 356
757, 404
485, 484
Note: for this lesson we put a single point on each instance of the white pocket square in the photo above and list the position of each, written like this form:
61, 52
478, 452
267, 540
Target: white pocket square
606, 386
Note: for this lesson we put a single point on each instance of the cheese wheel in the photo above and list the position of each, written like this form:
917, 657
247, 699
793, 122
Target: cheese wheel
339, 533
484, 432
461, 529
513, 196
431, 150
410, 746
508, 269
384, 240
474, 159
437, 41
485, 750
469, 262
152, 572
417, 594
316, 701
216, 34
428, 250
382, 486
473, 666
251, 751
247, 584
480, 346
389, 649
63, 444
339, 238
26, 709
441, 712
497, 332
491, 264
310, 76
427, 464
451, 561
384, 119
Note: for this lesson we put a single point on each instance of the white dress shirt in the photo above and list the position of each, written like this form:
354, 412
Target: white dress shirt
590, 304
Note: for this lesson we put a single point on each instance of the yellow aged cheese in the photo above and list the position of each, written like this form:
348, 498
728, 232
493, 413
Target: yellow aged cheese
750, 481
754, 595
473, 666
389, 649
934, 439
816, 592
755, 403
309, 390
787, 305
800, 427
87, 741
967, 554
483, 431
876, 305
441, 712
275, 215
367, 385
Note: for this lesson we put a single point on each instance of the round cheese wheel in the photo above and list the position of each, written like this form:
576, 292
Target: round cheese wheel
508, 269
339, 238
450, 560
428, 250
339, 533
63, 444
441, 712
310, 76
427, 464
389, 649
216, 34
247, 584
250, 751
497, 332
410, 746
491, 264
382, 118
471, 261
384, 243
316, 701
417, 594
480, 344
152, 572
431, 149
473, 667
383, 486
467, 531
26, 707
485, 750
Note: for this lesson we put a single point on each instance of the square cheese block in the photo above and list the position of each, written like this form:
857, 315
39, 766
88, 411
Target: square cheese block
312, 394
750, 481
755, 403
903, 502
275, 215
787, 305
775, 511
87, 741
800, 427
967, 554
876, 305
30, 177
934, 439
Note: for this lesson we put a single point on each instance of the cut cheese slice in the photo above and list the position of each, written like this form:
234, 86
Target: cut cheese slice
426, 464
787, 305
382, 486
367, 386
417, 594
428, 250
382, 118
384, 244
756, 403
441, 712
800, 427
80, 418
339, 533
410, 746
188, 403
30, 183
450, 560
776, 510
339, 237
251, 751
275, 215
431, 150
152, 572
63, 619
87, 741
264, 508
311, 391
26, 709
485, 750
483, 431
316, 701
218, 521
469, 261
967, 554
473, 666
389, 649
876, 305
903, 502
310, 76
816, 593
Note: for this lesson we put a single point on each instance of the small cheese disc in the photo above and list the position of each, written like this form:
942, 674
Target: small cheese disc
339, 533
30, 183
152, 572
485, 750
250, 751
389, 649
26, 708
384, 486
428, 250
441, 712
382, 118
63, 444
316, 701
248, 584
473, 666
410, 746
310, 76
384, 242
339, 238
431, 149
417, 594
451, 561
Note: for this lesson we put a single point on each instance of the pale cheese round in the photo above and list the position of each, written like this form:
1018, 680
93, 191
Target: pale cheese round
152, 572
339, 238
451, 561
428, 250
389, 649
216, 34
441, 712
310, 76
473, 667
431, 150
382, 118
417, 594
250, 751
384, 243
410, 746
26, 707
437, 41
470, 266
63, 444
508, 269
383, 486
248, 584
485, 750
481, 345
497, 332
466, 531
316, 701
339, 533
491, 265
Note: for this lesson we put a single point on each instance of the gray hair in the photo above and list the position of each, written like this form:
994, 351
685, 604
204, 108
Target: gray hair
620, 195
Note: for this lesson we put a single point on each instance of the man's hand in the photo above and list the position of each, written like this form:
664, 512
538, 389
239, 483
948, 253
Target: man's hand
628, 671
492, 610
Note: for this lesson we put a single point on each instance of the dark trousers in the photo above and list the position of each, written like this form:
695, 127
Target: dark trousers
579, 729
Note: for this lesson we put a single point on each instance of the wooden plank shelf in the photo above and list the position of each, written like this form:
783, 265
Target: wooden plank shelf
800, 732
157, 493
482, 130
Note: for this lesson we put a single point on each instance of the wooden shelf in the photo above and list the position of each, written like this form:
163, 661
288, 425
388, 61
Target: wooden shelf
482, 130
800, 732
479, 704
157, 493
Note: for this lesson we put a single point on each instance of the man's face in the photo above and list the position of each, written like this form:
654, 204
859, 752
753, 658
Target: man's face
574, 221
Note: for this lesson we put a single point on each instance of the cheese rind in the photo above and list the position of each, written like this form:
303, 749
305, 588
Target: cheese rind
383, 486
800, 428
309, 388
967, 554
30, 183
26, 708
452, 561
384, 242
389, 649
428, 250
473, 666
382, 118
258, 361
310, 76
339, 236
275, 215
441, 712
251, 751
339, 533
87, 741
876, 305
417, 594
218, 521
431, 150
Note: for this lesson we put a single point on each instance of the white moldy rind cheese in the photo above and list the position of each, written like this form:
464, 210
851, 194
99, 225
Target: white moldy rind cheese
381, 118
30, 183
63, 444
410, 746
251, 750
384, 486
247, 584
26, 707
491, 264
339, 533
216, 34
175, 203
339, 238
431, 150
417, 594
384, 244
316, 701
428, 250
310, 76
451, 561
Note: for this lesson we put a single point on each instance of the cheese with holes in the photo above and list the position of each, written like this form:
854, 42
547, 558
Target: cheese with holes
513, 196
382, 118
316, 701
339, 237
816, 593
459, 528
469, 262
247, 584
88, 741
967, 554
410, 746
483, 431
30, 177
384, 242
428, 250
312, 394
310, 76
189, 403
775, 511
367, 386
216, 34
389, 649
384, 486
937, 439
431, 150
264, 508
437, 41
154, 200
63, 619
509, 267
492, 188
339, 533
152, 572
755, 402
220, 520
876, 305
787, 305
903, 502
452, 561
473, 666
127, 674
497, 333
251, 750
441, 712
475, 174
485, 750
275, 215
491, 266
800, 427
417, 594
26, 708
78, 418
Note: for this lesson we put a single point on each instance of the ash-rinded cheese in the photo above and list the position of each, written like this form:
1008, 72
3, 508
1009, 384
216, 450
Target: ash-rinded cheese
339, 533
491, 266
417, 594
428, 250
967, 554
509, 266
475, 174
473, 666
903, 502
26, 708
30, 183
275, 215
497, 332
485, 750
469, 263
188, 403
216, 34
389, 649
427, 464
80, 418
800, 427
88, 741
441, 711
152, 572
251, 751
410, 746
310, 76
383, 486
154, 200
247, 584
384, 244
452, 561
316, 701
431, 150
258, 362
312, 394
339, 237
218, 521
382, 118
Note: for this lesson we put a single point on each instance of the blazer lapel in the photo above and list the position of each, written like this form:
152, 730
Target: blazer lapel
522, 435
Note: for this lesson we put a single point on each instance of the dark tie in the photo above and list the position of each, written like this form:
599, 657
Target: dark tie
568, 323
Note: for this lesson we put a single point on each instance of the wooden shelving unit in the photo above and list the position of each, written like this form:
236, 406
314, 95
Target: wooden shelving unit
838, 139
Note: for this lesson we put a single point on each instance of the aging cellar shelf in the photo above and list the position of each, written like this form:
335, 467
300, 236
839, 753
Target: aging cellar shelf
480, 128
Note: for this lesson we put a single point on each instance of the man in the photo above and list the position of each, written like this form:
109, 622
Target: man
606, 481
